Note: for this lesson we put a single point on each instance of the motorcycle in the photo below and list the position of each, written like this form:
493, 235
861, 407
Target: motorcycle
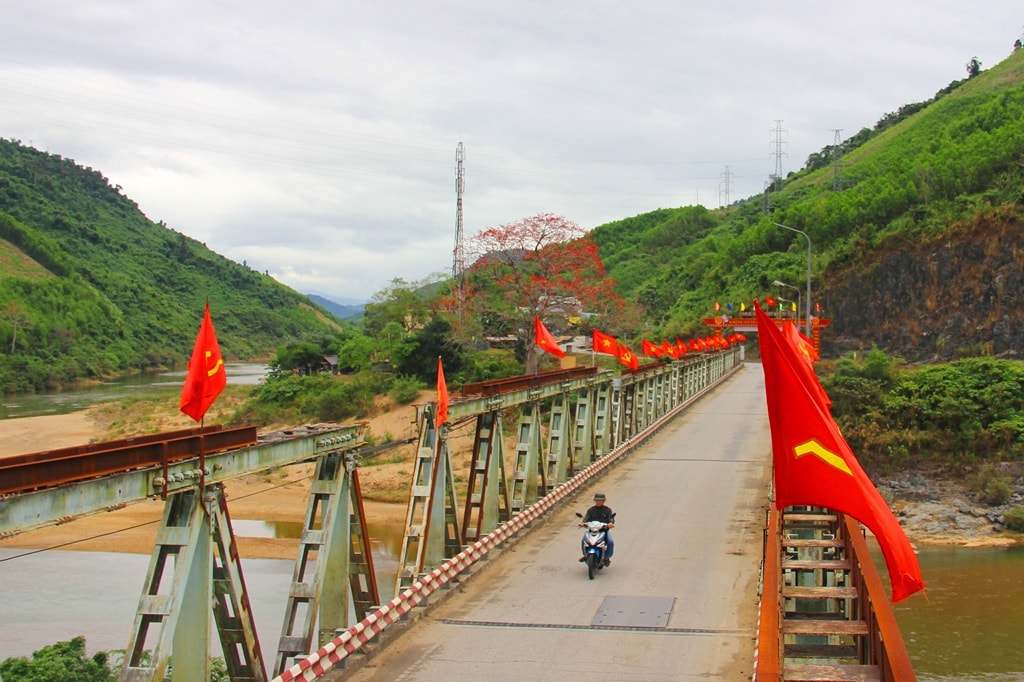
594, 544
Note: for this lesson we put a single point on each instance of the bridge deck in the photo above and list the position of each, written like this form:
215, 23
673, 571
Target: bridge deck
679, 599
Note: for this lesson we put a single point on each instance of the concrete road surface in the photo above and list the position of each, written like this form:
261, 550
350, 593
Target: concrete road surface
679, 601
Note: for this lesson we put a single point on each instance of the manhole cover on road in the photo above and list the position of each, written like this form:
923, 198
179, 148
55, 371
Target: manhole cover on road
638, 612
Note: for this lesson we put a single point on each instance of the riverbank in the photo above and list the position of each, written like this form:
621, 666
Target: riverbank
280, 496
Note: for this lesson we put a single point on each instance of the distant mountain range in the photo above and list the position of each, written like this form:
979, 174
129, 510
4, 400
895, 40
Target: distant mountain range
349, 309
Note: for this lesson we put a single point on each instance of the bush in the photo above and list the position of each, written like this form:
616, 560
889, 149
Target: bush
1014, 519
995, 488
61, 661
404, 389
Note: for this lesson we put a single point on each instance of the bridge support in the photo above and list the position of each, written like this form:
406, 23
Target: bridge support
431, 525
334, 558
487, 501
194, 564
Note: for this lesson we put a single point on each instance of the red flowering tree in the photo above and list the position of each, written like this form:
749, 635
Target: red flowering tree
542, 266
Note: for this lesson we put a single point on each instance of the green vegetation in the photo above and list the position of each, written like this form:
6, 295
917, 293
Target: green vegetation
916, 177
67, 662
61, 661
954, 417
90, 287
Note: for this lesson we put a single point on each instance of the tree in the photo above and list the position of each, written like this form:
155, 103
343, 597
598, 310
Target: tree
541, 266
17, 316
973, 67
402, 302
60, 661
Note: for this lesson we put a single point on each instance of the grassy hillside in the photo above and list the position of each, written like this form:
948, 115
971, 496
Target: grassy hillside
923, 175
90, 286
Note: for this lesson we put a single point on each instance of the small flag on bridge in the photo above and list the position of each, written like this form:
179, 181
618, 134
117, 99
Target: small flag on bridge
543, 338
442, 395
206, 377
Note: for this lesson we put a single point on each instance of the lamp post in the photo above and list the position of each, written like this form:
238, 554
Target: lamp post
799, 302
793, 229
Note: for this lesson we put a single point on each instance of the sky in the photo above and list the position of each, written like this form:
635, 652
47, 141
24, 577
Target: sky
316, 140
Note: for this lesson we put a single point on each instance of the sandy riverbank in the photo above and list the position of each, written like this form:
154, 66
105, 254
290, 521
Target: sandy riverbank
275, 497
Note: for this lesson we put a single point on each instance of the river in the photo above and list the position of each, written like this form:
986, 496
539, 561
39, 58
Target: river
74, 399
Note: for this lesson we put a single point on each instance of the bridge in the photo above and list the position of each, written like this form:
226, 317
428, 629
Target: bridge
706, 580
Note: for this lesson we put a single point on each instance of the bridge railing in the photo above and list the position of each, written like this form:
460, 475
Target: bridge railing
855, 635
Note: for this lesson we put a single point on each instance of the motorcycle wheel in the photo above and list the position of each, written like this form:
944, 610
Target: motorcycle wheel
591, 565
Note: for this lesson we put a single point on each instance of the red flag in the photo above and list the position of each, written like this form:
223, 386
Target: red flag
206, 377
814, 465
769, 301
799, 341
680, 347
543, 338
442, 395
627, 358
649, 349
695, 346
605, 343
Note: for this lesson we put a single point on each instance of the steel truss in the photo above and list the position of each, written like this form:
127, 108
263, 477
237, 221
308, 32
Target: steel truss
564, 423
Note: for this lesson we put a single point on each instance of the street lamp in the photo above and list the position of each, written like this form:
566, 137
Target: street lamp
793, 229
799, 303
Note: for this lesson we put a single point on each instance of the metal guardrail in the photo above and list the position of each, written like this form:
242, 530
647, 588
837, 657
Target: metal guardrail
858, 639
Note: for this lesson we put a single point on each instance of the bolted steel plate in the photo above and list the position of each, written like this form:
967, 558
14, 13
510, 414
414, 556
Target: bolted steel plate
638, 612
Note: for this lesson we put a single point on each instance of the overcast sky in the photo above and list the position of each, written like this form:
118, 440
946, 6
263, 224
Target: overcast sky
316, 140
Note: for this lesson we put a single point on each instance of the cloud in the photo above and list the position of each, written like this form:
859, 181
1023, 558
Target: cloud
316, 140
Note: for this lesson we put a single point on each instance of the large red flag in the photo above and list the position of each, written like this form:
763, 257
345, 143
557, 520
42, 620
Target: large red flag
206, 377
442, 395
815, 466
627, 358
605, 343
543, 338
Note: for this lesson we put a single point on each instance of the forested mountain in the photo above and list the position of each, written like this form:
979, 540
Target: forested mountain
916, 231
89, 286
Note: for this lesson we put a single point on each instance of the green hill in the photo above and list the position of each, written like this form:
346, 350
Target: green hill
89, 286
918, 248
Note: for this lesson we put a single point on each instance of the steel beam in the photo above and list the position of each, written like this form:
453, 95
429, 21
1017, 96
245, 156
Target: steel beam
45, 507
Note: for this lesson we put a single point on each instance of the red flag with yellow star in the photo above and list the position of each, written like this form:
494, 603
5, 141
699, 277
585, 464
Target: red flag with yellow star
206, 377
543, 338
814, 465
605, 343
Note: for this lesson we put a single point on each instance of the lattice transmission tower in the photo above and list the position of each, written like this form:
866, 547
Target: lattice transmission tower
458, 255
778, 153
837, 165
725, 187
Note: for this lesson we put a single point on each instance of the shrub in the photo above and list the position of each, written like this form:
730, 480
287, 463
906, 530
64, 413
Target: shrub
1014, 519
404, 389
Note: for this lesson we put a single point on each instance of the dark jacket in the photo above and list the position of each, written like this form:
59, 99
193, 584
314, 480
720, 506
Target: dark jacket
601, 513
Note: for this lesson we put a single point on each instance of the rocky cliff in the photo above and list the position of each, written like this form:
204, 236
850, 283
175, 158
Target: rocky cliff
934, 300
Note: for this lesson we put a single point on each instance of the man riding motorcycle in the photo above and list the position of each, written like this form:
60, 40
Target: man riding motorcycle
604, 514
